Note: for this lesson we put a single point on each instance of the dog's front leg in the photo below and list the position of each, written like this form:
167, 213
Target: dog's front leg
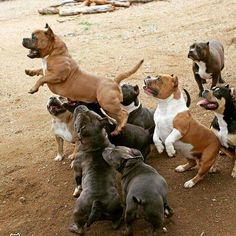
60, 142
157, 141
35, 72
40, 82
170, 140
73, 155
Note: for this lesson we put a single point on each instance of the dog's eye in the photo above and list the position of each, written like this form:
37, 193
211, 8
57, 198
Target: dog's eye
158, 78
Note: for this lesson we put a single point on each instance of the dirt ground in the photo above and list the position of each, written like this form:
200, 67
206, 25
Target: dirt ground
35, 191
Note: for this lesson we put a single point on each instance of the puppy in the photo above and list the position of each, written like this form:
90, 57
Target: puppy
143, 187
65, 78
138, 115
99, 198
208, 62
222, 102
177, 130
62, 126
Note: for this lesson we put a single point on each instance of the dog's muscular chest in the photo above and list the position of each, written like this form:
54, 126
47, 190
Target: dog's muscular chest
61, 129
202, 70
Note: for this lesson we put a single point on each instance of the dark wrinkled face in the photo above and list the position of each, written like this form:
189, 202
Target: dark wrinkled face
39, 43
162, 86
88, 123
216, 99
118, 155
55, 107
198, 51
130, 94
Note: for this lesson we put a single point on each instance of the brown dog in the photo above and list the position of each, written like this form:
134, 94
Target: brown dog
177, 130
64, 77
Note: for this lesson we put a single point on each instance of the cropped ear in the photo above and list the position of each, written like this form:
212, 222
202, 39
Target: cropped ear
233, 93
136, 89
175, 80
227, 86
207, 44
49, 31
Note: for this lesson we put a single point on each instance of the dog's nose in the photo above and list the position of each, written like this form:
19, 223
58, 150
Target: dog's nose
190, 53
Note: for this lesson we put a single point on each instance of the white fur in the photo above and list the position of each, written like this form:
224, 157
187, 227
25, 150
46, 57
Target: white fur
77, 190
166, 111
180, 168
61, 129
202, 70
44, 65
189, 184
58, 157
223, 133
131, 107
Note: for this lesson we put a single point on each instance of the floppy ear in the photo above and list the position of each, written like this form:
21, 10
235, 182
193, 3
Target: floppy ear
137, 153
49, 31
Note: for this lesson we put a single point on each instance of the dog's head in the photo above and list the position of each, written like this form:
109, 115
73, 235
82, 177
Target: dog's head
55, 106
40, 43
121, 157
198, 51
130, 94
217, 99
162, 86
89, 124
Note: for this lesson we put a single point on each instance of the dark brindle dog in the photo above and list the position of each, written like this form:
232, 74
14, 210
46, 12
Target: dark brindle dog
99, 198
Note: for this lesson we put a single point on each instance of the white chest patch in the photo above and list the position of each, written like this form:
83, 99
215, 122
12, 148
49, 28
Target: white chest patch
223, 133
44, 65
61, 129
131, 107
202, 70
165, 113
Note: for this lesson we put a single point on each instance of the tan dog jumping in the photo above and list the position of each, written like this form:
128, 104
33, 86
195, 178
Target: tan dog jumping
177, 130
64, 77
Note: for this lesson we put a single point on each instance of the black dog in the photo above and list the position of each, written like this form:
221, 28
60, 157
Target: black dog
132, 136
99, 198
144, 189
222, 101
138, 115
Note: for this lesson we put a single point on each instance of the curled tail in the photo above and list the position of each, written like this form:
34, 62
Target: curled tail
95, 213
126, 74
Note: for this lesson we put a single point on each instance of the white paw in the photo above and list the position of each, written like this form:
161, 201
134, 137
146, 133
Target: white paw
233, 174
170, 150
189, 184
71, 157
77, 191
160, 147
180, 168
58, 157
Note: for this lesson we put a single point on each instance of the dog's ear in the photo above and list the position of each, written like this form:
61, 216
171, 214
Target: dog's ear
104, 121
227, 85
49, 31
175, 80
137, 153
136, 89
233, 93
207, 44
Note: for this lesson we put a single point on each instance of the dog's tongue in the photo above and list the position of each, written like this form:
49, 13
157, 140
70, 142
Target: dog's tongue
203, 102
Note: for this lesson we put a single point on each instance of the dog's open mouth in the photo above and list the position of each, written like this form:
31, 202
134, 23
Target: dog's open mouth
208, 105
33, 53
55, 107
150, 91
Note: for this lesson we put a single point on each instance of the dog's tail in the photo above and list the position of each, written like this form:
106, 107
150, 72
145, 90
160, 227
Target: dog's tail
95, 213
126, 74
188, 103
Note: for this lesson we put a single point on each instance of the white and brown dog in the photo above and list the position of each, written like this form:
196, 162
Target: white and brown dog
62, 126
177, 130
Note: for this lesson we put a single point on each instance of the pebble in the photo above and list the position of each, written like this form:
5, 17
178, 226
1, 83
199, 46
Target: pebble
22, 199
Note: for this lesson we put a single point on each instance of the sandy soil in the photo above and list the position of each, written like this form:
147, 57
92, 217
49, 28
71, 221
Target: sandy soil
36, 192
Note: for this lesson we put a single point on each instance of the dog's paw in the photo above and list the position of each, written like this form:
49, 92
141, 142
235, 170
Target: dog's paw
233, 174
160, 147
71, 157
72, 164
74, 229
180, 168
170, 150
58, 157
33, 90
189, 184
77, 191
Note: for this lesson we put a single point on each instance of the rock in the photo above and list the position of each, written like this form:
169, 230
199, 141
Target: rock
22, 200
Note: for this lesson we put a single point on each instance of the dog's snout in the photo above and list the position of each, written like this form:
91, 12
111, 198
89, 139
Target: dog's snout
146, 79
205, 93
